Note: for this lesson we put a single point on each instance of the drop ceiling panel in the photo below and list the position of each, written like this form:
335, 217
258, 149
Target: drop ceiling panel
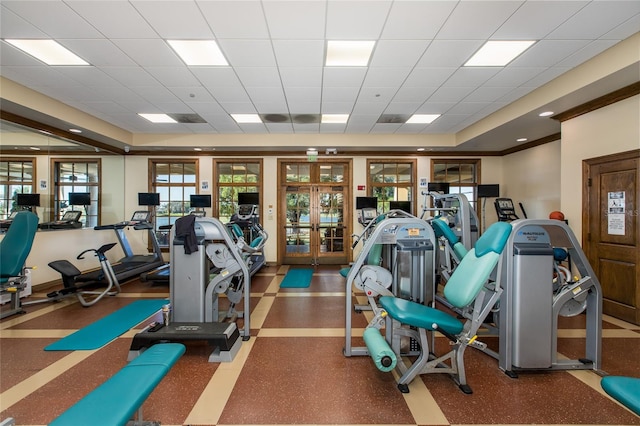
429, 77
89, 76
299, 53
476, 20
266, 94
595, 19
449, 53
386, 76
230, 94
259, 76
295, 20
279, 127
301, 77
584, 54
114, 19
471, 77
398, 53
513, 77
248, 53
10, 56
131, 76
173, 76
13, 26
174, 19
343, 76
337, 107
403, 107
99, 53
548, 52
344, 19
534, 20
340, 94
223, 15
413, 94
53, 18
154, 94
212, 77
416, 20
149, 53
302, 94
192, 93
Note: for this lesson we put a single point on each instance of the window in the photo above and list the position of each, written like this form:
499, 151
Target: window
16, 176
392, 181
175, 181
462, 176
73, 176
233, 177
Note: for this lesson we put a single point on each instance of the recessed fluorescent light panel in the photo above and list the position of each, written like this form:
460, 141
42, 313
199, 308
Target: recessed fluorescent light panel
246, 118
48, 51
335, 118
158, 118
199, 52
348, 53
498, 53
422, 118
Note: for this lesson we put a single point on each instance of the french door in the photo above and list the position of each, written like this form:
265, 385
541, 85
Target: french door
314, 213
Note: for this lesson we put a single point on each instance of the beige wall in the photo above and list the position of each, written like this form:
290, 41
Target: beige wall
608, 130
532, 177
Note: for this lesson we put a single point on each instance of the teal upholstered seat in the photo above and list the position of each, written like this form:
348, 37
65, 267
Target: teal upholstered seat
625, 390
441, 229
374, 257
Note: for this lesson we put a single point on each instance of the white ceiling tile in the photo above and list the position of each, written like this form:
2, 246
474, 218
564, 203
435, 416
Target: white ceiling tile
223, 18
345, 19
154, 94
428, 77
114, 19
89, 76
402, 107
101, 53
301, 77
450, 94
337, 107
271, 106
624, 30
343, 76
586, 53
545, 77
536, 19
332, 128
192, 94
386, 76
448, 53
206, 108
253, 128
413, 94
11, 56
385, 128
435, 107
130, 76
548, 53
13, 26
467, 108
229, 94
476, 19
296, 20
279, 127
471, 77
173, 76
107, 107
303, 94
259, 76
488, 94
174, 19
212, 77
119, 94
266, 94
149, 52
301, 106
398, 53
299, 53
53, 18
416, 20
595, 19
513, 76
340, 94
306, 128
248, 53
172, 107
369, 108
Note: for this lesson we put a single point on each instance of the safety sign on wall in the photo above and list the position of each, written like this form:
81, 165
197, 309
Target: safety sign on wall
615, 213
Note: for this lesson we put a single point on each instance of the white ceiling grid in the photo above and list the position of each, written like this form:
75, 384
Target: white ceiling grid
276, 52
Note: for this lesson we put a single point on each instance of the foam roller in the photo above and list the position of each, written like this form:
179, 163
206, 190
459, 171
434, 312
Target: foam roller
383, 356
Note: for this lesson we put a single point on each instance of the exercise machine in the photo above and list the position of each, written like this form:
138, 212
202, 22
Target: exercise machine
75, 283
247, 218
14, 250
402, 318
132, 265
406, 271
206, 262
536, 293
70, 220
456, 210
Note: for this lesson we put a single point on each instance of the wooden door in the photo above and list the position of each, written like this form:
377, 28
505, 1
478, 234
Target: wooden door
611, 231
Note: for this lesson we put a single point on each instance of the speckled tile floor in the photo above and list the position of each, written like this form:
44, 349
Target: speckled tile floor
292, 369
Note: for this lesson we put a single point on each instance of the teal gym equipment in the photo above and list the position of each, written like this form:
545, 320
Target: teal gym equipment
625, 390
14, 250
117, 400
465, 288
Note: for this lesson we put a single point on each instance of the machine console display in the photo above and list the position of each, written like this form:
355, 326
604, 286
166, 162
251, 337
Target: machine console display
141, 216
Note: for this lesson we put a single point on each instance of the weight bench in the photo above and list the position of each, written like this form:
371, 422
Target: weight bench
115, 401
625, 390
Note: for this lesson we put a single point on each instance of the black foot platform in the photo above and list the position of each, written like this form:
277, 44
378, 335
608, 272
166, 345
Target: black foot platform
223, 337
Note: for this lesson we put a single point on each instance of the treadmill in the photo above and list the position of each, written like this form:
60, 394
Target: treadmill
70, 220
132, 265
